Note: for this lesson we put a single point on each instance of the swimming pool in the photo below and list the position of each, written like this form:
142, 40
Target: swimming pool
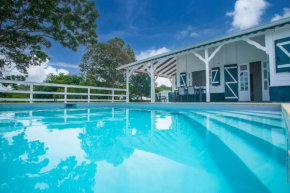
133, 150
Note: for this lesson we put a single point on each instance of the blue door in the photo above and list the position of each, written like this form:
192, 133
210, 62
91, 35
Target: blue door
231, 82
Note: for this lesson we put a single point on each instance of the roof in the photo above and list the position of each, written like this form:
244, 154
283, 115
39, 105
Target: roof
171, 54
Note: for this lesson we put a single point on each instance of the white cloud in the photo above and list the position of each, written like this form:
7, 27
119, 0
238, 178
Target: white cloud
193, 34
247, 13
286, 13
188, 32
165, 81
181, 34
59, 144
36, 73
151, 52
63, 64
39, 73
189, 28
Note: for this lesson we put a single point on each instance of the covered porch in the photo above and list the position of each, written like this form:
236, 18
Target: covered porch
232, 68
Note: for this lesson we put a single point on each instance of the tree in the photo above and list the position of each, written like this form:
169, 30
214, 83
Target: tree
101, 60
162, 87
72, 79
26, 27
140, 85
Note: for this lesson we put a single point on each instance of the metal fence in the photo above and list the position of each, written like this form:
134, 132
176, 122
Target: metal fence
113, 95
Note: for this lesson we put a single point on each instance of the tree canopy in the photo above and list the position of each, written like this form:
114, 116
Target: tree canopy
162, 87
140, 86
27, 27
101, 60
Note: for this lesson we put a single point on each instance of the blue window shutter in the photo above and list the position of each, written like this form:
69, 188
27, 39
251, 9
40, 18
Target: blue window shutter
183, 79
215, 76
282, 55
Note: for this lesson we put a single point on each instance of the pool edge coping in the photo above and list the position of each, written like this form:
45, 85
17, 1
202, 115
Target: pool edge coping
285, 108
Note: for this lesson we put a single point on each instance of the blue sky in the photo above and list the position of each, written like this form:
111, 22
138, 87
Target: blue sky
152, 27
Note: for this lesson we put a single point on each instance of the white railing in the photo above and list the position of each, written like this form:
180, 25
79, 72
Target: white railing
112, 97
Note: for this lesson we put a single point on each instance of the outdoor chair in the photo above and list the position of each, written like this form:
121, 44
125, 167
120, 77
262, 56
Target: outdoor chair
174, 96
190, 92
181, 93
161, 98
203, 95
196, 94
157, 99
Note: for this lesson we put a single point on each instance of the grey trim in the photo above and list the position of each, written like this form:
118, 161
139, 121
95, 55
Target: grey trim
286, 117
254, 30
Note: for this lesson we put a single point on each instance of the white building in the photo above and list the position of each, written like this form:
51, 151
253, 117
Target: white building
250, 65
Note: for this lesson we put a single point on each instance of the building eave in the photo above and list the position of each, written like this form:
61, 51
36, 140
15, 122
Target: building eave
254, 30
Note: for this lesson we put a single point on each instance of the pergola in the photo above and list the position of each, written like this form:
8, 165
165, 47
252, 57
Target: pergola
165, 65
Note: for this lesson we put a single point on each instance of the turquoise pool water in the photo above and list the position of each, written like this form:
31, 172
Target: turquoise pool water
127, 150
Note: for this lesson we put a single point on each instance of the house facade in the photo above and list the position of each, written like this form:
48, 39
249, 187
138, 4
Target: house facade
251, 65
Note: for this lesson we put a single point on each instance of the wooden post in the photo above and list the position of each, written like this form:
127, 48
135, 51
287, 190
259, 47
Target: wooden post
89, 95
207, 76
127, 85
152, 84
65, 94
31, 94
113, 96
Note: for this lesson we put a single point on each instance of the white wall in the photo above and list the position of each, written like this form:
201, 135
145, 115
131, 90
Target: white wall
232, 53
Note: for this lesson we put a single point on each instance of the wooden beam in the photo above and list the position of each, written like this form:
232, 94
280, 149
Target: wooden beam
171, 71
256, 44
199, 56
173, 63
166, 62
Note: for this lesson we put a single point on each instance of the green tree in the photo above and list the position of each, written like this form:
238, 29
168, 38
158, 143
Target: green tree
101, 60
26, 27
71, 79
140, 86
161, 88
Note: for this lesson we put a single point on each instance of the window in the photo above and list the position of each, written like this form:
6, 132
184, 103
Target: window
244, 78
198, 78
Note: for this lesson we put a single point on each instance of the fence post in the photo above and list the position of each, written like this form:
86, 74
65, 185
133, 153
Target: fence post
65, 94
31, 93
89, 95
113, 96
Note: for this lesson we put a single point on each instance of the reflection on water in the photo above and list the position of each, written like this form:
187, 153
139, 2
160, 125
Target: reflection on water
122, 150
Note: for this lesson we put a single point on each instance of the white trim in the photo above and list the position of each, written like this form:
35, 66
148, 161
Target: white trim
239, 82
283, 66
265, 98
199, 56
231, 97
280, 45
256, 44
215, 52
